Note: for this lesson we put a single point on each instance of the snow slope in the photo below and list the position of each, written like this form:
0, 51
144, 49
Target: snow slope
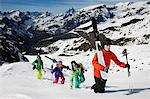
18, 80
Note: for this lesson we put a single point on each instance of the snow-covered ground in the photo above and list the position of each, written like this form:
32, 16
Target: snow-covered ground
18, 80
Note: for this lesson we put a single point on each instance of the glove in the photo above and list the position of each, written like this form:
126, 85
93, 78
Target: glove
127, 66
34, 66
106, 69
67, 67
52, 67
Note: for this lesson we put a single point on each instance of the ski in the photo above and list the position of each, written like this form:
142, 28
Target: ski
98, 47
54, 61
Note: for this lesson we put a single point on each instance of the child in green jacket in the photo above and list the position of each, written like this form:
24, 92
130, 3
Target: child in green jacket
38, 66
77, 75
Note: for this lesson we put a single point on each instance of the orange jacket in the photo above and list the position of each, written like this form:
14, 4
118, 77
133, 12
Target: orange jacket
108, 56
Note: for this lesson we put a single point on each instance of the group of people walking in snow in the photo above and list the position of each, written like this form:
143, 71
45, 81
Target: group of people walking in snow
77, 71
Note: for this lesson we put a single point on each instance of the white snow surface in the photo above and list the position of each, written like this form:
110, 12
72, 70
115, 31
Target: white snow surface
18, 80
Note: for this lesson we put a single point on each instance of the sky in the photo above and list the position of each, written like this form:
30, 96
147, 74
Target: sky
54, 6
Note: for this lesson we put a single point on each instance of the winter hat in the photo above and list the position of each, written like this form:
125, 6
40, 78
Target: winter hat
73, 62
58, 60
106, 41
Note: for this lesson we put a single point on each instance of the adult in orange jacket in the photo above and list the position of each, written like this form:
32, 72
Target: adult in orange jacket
99, 86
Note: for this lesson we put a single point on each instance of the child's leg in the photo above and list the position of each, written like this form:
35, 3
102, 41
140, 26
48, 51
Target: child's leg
82, 78
77, 82
55, 79
62, 79
71, 81
39, 74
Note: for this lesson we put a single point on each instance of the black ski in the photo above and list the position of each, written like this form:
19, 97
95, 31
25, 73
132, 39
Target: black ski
54, 60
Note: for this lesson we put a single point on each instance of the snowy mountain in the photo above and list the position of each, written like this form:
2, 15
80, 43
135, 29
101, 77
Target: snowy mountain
16, 34
13, 34
130, 23
124, 23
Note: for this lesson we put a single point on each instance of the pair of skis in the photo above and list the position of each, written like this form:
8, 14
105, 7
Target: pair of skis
98, 46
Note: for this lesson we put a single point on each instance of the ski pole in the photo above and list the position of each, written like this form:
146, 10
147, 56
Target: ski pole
129, 74
126, 54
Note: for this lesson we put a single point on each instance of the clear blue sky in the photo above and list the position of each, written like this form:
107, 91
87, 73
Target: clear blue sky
54, 6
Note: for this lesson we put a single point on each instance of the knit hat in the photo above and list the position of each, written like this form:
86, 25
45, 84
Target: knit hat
73, 62
107, 41
58, 60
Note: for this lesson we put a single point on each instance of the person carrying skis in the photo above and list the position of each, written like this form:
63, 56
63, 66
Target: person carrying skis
57, 71
38, 66
99, 86
77, 74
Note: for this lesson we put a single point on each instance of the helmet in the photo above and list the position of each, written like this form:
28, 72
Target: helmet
58, 60
73, 62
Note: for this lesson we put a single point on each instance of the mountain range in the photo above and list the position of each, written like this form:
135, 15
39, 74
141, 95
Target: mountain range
33, 32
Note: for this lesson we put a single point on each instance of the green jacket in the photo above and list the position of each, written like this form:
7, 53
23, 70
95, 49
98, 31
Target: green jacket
77, 77
38, 64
